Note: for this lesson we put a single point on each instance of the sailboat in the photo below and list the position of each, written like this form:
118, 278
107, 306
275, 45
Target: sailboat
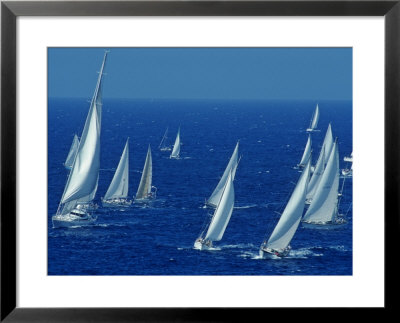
117, 193
162, 146
146, 191
320, 165
323, 209
72, 153
307, 153
230, 168
83, 178
177, 146
220, 218
278, 243
314, 120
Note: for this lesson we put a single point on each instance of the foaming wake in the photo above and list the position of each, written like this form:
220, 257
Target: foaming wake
245, 206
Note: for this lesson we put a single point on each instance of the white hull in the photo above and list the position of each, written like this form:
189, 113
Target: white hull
339, 222
116, 203
312, 130
69, 220
200, 244
268, 253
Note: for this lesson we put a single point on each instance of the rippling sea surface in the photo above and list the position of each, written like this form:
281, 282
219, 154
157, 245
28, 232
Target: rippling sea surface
158, 239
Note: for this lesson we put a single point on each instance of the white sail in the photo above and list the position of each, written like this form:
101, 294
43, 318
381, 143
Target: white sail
314, 120
231, 167
120, 182
307, 153
317, 174
328, 143
83, 178
177, 146
323, 207
144, 188
72, 152
222, 213
291, 216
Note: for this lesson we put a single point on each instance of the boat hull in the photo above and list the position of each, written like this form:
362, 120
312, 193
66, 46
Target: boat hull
269, 253
200, 244
339, 222
116, 204
68, 220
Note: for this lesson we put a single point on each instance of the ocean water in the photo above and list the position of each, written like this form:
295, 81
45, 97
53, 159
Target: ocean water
158, 239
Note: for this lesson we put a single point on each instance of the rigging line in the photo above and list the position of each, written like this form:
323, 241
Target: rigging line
348, 209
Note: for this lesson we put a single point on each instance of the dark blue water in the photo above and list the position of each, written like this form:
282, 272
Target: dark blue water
158, 239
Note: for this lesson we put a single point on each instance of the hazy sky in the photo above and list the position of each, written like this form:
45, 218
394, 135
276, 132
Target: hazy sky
210, 73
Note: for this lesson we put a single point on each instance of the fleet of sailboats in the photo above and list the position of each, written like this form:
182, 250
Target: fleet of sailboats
146, 191
318, 186
117, 193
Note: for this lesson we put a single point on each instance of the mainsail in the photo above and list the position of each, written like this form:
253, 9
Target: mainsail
323, 207
177, 146
316, 176
222, 213
144, 188
120, 183
83, 178
231, 167
314, 120
328, 143
291, 216
72, 152
307, 153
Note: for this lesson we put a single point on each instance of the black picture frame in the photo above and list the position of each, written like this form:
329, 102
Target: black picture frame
10, 10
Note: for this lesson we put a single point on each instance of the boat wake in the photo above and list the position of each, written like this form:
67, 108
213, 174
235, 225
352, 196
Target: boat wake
245, 206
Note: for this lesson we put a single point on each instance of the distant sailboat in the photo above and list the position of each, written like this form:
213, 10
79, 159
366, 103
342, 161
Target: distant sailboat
220, 218
314, 120
278, 243
324, 206
72, 153
307, 153
177, 146
83, 178
145, 190
162, 146
231, 167
117, 193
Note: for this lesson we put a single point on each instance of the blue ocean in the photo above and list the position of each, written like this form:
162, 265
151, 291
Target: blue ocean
157, 239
